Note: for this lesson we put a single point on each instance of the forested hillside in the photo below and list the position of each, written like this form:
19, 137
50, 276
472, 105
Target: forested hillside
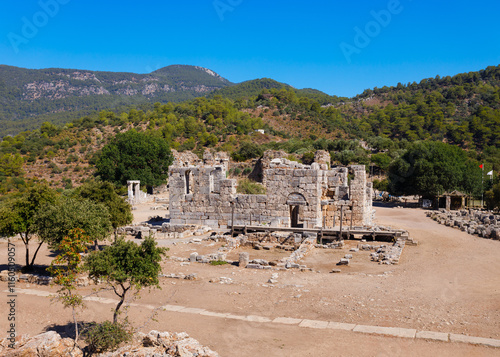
29, 97
463, 109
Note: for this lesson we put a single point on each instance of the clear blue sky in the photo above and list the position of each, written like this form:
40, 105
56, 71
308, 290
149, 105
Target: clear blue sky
303, 43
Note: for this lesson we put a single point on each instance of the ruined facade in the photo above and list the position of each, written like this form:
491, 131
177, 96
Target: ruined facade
297, 195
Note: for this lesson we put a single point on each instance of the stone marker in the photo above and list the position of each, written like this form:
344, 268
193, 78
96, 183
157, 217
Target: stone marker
244, 260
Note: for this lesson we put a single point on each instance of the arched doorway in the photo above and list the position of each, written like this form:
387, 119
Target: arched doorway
297, 203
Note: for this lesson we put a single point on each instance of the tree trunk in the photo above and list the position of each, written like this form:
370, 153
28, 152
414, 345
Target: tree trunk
34, 255
27, 246
76, 326
120, 303
115, 315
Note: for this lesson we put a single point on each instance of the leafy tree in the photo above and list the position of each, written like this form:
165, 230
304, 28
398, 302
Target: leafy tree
11, 165
492, 197
104, 192
382, 160
135, 156
17, 216
247, 151
56, 220
431, 168
66, 267
126, 266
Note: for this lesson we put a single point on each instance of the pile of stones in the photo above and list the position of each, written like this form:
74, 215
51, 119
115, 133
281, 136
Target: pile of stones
334, 245
38, 279
483, 224
26, 278
155, 343
388, 254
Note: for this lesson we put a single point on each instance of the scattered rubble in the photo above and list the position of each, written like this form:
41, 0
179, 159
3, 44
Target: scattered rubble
155, 343
474, 222
388, 254
26, 278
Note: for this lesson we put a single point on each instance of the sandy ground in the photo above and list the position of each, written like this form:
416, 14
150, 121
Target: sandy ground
450, 282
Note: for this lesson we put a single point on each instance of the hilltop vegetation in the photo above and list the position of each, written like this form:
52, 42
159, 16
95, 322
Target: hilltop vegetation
463, 110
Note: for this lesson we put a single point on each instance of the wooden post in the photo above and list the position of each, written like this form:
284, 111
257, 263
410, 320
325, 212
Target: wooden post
232, 219
351, 218
341, 218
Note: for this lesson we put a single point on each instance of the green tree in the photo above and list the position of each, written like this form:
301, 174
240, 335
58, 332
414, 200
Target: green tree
126, 266
104, 192
431, 168
56, 220
65, 269
11, 165
492, 197
247, 151
134, 156
17, 216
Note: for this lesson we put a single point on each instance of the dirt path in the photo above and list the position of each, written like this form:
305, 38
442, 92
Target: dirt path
448, 283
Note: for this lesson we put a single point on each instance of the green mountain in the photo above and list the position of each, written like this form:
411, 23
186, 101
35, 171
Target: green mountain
29, 97
253, 88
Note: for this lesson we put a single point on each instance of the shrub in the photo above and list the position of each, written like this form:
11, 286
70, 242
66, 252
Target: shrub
106, 336
249, 187
382, 185
236, 171
247, 171
55, 168
218, 262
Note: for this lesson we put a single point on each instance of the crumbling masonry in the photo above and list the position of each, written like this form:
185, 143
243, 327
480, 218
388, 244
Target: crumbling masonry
297, 195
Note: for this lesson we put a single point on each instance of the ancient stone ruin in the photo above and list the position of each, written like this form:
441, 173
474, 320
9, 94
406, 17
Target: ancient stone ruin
135, 195
297, 195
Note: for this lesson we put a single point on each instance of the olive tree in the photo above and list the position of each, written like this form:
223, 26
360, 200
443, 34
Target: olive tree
104, 192
17, 216
126, 266
56, 220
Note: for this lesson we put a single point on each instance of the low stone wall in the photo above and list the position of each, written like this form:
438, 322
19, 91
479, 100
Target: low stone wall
482, 224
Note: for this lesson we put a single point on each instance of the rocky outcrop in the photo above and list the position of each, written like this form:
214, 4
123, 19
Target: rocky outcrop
48, 344
155, 343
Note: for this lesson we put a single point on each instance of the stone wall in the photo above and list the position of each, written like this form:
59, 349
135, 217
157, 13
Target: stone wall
297, 195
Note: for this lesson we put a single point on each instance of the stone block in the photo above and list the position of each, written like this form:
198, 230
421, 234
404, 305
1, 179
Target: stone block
193, 257
341, 326
287, 321
390, 331
475, 340
430, 335
314, 324
254, 266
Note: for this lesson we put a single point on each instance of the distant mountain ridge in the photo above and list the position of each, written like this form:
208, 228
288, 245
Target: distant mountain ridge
254, 87
30, 96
